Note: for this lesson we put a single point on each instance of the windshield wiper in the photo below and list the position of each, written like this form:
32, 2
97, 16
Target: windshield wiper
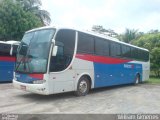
24, 59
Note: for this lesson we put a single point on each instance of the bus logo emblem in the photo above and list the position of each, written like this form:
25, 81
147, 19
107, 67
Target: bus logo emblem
128, 66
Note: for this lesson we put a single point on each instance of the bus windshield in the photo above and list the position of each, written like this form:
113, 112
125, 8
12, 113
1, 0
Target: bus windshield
33, 51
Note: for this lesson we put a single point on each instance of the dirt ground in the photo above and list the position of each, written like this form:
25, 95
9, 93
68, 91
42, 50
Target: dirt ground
143, 98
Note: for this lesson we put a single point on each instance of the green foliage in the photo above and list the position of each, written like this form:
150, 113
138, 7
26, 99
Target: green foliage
33, 6
155, 58
152, 43
153, 80
148, 41
29, 5
101, 30
98, 28
15, 21
129, 35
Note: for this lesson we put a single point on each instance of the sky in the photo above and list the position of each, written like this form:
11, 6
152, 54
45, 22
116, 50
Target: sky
117, 15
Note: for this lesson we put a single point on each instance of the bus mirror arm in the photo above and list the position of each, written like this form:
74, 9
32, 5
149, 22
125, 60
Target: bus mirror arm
54, 50
11, 50
53, 41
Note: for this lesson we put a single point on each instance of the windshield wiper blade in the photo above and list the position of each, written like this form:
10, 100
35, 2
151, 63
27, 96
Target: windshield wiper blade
17, 66
23, 61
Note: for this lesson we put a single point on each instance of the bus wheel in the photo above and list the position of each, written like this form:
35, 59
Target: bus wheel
82, 87
137, 80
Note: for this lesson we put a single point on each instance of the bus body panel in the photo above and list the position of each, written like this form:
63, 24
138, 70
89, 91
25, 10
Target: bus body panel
101, 75
28, 78
109, 74
6, 71
57, 82
61, 82
7, 60
145, 69
82, 68
111, 71
35, 88
67, 80
18, 82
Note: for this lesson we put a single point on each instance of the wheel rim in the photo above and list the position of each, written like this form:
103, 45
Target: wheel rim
83, 86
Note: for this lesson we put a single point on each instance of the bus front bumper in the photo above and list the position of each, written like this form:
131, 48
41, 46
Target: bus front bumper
35, 88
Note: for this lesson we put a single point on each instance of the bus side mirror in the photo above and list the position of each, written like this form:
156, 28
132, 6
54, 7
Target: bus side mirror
54, 50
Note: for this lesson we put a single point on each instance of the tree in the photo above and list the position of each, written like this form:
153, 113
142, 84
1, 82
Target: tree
152, 43
33, 6
153, 31
148, 41
98, 29
129, 35
15, 21
155, 64
101, 30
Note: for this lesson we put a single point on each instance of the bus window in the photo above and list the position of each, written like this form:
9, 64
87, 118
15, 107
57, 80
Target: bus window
126, 52
5, 49
101, 47
85, 43
65, 40
115, 50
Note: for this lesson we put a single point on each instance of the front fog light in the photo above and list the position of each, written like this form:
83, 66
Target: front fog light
39, 81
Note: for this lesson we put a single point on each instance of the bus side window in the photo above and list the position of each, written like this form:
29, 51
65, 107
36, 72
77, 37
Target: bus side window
5, 49
57, 62
101, 47
14, 50
65, 40
85, 43
115, 49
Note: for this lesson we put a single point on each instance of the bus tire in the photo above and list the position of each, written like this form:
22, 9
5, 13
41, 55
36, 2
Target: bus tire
82, 87
137, 79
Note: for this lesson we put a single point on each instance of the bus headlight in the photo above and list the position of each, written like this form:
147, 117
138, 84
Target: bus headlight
39, 81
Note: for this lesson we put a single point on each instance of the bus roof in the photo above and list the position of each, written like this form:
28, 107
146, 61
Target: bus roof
13, 42
89, 32
10, 42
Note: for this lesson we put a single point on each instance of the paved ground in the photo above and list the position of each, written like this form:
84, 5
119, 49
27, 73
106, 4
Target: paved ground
143, 98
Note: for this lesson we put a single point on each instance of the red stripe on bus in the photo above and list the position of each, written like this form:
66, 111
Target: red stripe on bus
10, 59
101, 59
38, 76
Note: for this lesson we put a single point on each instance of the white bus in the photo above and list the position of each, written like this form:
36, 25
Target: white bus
55, 60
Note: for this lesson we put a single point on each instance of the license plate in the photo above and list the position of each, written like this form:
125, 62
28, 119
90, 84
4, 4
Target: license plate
23, 87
